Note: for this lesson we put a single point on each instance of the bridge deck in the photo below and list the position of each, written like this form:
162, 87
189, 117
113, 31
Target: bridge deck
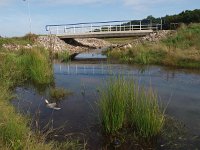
107, 34
124, 28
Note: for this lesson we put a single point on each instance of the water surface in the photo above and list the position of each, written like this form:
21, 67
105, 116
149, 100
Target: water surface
179, 88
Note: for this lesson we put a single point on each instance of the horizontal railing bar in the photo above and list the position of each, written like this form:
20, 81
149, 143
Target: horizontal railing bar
79, 27
122, 21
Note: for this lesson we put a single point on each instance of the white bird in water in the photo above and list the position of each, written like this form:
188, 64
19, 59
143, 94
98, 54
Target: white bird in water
51, 105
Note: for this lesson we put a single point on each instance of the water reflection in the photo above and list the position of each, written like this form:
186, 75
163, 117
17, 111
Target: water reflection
79, 111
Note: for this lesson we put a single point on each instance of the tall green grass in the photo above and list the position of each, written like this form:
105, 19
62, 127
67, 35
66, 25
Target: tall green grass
112, 105
124, 102
37, 65
146, 115
32, 65
63, 56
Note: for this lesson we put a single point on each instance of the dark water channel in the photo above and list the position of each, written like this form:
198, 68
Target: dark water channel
79, 114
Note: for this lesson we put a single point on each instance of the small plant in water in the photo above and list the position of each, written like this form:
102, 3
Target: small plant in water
59, 93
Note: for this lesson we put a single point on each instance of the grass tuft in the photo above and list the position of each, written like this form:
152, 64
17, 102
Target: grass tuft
124, 102
112, 105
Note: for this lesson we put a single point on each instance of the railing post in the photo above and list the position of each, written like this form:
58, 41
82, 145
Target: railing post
140, 25
130, 26
65, 29
82, 29
74, 30
91, 28
120, 28
150, 24
57, 30
110, 28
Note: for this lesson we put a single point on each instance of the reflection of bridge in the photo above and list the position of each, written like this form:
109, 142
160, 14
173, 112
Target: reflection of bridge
86, 69
95, 69
124, 28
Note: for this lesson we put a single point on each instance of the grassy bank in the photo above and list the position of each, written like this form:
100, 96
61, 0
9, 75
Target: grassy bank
27, 39
17, 67
123, 103
181, 49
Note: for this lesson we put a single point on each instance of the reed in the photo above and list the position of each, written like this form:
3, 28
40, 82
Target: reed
112, 105
63, 56
123, 102
146, 116
37, 66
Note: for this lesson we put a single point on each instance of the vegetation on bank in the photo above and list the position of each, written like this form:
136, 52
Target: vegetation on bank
17, 67
27, 39
181, 49
62, 56
121, 40
123, 103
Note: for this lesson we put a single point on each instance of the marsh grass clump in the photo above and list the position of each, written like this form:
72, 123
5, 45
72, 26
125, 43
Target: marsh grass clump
146, 114
62, 56
113, 105
59, 93
32, 65
123, 102
36, 65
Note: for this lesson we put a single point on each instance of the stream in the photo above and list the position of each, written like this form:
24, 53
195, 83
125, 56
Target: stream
178, 90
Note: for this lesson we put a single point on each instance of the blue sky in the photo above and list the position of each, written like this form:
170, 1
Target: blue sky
14, 13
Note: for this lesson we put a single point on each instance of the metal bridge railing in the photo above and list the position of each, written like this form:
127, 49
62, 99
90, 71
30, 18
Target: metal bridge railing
98, 27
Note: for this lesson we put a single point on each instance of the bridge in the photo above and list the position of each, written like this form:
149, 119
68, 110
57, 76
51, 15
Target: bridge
125, 28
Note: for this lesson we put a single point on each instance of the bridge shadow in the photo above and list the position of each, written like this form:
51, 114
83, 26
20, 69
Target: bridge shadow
73, 42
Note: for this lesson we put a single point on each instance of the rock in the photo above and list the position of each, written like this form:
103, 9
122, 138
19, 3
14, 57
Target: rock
58, 45
11, 47
152, 37
93, 42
